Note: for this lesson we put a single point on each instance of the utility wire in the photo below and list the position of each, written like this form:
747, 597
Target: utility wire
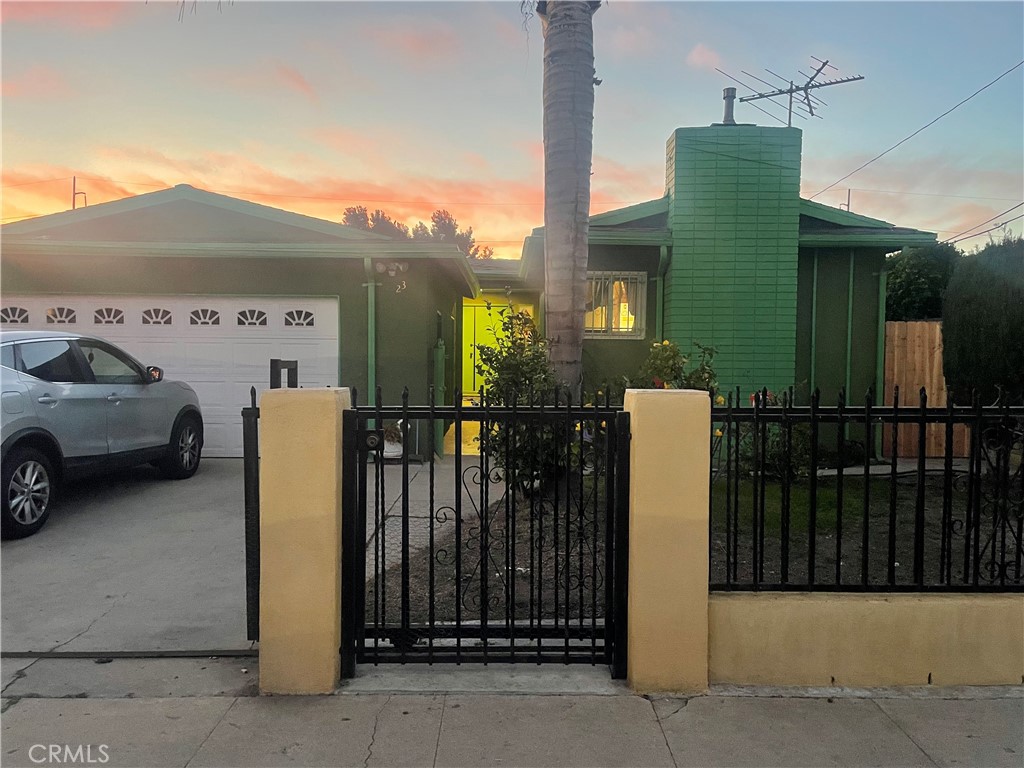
39, 181
986, 221
986, 231
908, 138
932, 194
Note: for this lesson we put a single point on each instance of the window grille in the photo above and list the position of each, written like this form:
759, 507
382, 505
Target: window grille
252, 317
204, 317
13, 315
298, 317
61, 315
108, 316
616, 305
156, 316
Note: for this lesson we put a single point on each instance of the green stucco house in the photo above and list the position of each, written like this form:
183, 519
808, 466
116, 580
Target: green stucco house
790, 292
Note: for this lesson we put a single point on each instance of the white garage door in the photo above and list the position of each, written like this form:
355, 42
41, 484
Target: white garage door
221, 345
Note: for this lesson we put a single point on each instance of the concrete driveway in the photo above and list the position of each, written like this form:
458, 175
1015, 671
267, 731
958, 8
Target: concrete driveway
132, 562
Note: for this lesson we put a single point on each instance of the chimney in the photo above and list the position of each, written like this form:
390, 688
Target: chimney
729, 95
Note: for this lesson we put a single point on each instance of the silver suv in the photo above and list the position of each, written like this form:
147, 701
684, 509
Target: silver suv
73, 405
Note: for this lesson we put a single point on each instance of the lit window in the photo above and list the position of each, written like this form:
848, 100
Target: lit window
616, 303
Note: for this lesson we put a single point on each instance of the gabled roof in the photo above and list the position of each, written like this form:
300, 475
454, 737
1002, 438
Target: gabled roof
184, 214
656, 210
641, 224
187, 222
824, 226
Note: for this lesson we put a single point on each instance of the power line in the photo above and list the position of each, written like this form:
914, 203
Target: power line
986, 221
908, 138
38, 181
347, 199
986, 231
931, 194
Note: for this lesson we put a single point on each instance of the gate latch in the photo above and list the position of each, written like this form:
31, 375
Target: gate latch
372, 439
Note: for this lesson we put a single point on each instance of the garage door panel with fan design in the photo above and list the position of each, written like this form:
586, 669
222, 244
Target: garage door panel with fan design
220, 345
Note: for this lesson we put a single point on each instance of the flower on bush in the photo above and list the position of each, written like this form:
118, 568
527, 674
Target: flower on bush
665, 368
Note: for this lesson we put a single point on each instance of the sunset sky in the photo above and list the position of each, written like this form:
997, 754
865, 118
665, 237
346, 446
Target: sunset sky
316, 106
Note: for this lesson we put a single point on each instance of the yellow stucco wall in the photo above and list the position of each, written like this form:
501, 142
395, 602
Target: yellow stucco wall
866, 640
668, 540
300, 539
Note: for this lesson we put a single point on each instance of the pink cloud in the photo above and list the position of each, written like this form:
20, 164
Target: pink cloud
419, 43
296, 81
346, 141
703, 57
618, 183
39, 82
259, 79
73, 14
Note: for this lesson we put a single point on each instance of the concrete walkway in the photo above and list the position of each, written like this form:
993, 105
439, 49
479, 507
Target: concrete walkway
203, 712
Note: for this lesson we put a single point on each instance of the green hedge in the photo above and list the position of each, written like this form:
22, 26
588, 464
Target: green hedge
983, 324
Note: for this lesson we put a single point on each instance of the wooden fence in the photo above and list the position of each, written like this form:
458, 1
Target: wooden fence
913, 359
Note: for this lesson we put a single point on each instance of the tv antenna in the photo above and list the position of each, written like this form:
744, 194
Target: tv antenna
809, 100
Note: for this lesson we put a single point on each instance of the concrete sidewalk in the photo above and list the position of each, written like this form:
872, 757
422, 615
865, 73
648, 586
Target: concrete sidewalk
202, 712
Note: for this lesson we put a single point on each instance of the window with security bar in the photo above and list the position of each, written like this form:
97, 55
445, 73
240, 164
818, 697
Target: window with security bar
616, 305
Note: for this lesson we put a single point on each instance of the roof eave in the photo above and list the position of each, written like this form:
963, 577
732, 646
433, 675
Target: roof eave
881, 240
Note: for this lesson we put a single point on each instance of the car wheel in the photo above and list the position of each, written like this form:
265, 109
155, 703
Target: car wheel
185, 449
28, 492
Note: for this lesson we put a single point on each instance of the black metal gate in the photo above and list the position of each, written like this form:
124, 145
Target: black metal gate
514, 549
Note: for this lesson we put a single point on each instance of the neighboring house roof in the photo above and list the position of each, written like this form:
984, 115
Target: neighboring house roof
824, 226
185, 221
499, 273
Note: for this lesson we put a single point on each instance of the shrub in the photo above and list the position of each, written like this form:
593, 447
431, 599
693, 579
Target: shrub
665, 368
983, 324
917, 280
516, 366
516, 370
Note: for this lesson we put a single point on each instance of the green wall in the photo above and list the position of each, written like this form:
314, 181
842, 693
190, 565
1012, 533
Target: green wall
734, 211
830, 340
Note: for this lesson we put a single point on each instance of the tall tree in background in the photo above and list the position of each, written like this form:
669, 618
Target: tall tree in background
568, 153
443, 228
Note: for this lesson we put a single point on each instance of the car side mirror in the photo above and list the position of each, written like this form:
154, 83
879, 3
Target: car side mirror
155, 374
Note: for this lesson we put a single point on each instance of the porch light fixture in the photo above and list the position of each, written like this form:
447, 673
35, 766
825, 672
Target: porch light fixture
392, 267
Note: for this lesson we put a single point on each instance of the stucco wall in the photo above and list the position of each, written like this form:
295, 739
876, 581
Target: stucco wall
866, 640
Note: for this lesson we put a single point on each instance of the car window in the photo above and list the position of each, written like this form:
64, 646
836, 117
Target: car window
51, 361
108, 365
7, 356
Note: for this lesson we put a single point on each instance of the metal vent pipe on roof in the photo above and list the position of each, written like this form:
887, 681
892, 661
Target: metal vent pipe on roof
729, 95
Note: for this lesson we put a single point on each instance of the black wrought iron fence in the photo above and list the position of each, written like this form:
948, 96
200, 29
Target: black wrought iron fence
503, 551
801, 498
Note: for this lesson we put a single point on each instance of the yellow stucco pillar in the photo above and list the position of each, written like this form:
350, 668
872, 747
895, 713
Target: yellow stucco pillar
300, 539
670, 462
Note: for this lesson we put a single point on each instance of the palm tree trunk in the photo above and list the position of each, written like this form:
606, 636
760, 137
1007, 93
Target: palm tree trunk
568, 151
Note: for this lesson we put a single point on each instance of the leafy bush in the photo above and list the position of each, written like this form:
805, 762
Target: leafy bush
983, 324
516, 367
665, 368
516, 370
917, 281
